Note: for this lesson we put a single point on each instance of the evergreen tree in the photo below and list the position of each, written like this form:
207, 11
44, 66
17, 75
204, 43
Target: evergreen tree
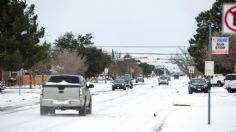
19, 36
97, 61
199, 43
147, 69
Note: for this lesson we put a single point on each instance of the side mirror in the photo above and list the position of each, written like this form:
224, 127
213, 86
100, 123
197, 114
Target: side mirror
90, 86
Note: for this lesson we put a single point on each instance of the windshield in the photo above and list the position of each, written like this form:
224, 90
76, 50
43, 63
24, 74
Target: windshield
69, 79
125, 77
198, 81
119, 81
163, 78
230, 77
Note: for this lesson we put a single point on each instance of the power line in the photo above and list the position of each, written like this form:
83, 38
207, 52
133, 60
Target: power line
152, 53
109, 46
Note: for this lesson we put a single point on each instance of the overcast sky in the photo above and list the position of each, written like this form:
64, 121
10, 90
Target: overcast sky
122, 22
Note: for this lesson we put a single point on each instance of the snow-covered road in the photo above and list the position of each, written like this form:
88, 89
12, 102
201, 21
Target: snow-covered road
142, 108
145, 108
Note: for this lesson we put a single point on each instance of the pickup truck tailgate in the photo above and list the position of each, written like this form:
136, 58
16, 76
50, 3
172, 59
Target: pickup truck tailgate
61, 92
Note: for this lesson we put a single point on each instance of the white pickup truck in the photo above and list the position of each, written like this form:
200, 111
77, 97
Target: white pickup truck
66, 92
218, 79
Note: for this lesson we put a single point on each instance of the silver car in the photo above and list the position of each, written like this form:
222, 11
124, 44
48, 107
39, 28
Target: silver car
230, 83
163, 80
66, 92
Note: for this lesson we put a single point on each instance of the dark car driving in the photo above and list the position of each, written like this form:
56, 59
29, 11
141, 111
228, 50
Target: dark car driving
128, 81
198, 85
118, 84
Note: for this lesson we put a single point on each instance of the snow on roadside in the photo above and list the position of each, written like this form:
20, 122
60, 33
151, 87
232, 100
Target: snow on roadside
14, 99
191, 113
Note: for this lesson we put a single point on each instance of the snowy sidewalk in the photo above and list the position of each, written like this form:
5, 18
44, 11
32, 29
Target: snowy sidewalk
190, 112
11, 98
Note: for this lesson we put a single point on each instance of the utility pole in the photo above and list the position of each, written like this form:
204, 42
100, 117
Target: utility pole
209, 88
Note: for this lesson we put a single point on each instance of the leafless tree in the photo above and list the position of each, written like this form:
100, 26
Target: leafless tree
118, 68
63, 62
69, 63
187, 61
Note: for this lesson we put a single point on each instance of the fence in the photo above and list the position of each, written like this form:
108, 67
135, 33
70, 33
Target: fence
35, 80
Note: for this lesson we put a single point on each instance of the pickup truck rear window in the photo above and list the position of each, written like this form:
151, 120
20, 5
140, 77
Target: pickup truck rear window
230, 77
69, 79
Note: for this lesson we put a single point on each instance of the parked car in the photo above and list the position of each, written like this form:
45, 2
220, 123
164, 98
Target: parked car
128, 81
230, 83
66, 92
2, 86
140, 79
218, 79
198, 85
118, 84
163, 80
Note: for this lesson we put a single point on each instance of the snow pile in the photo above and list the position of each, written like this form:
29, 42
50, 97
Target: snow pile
191, 113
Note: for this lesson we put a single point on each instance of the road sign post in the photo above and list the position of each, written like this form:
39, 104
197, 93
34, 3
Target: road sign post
209, 71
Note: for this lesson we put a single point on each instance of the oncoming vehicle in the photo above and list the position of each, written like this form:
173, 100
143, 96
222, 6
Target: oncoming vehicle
163, 80
176, 76
230, 83
118, 84
66, 92
198, 85
128, 81
139, 79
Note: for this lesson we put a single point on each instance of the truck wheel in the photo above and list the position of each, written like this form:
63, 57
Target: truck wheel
43, 110
113, 89
89, 111
82, 110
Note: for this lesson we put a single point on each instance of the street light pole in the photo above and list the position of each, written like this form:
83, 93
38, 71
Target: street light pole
209, 42
209, 87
